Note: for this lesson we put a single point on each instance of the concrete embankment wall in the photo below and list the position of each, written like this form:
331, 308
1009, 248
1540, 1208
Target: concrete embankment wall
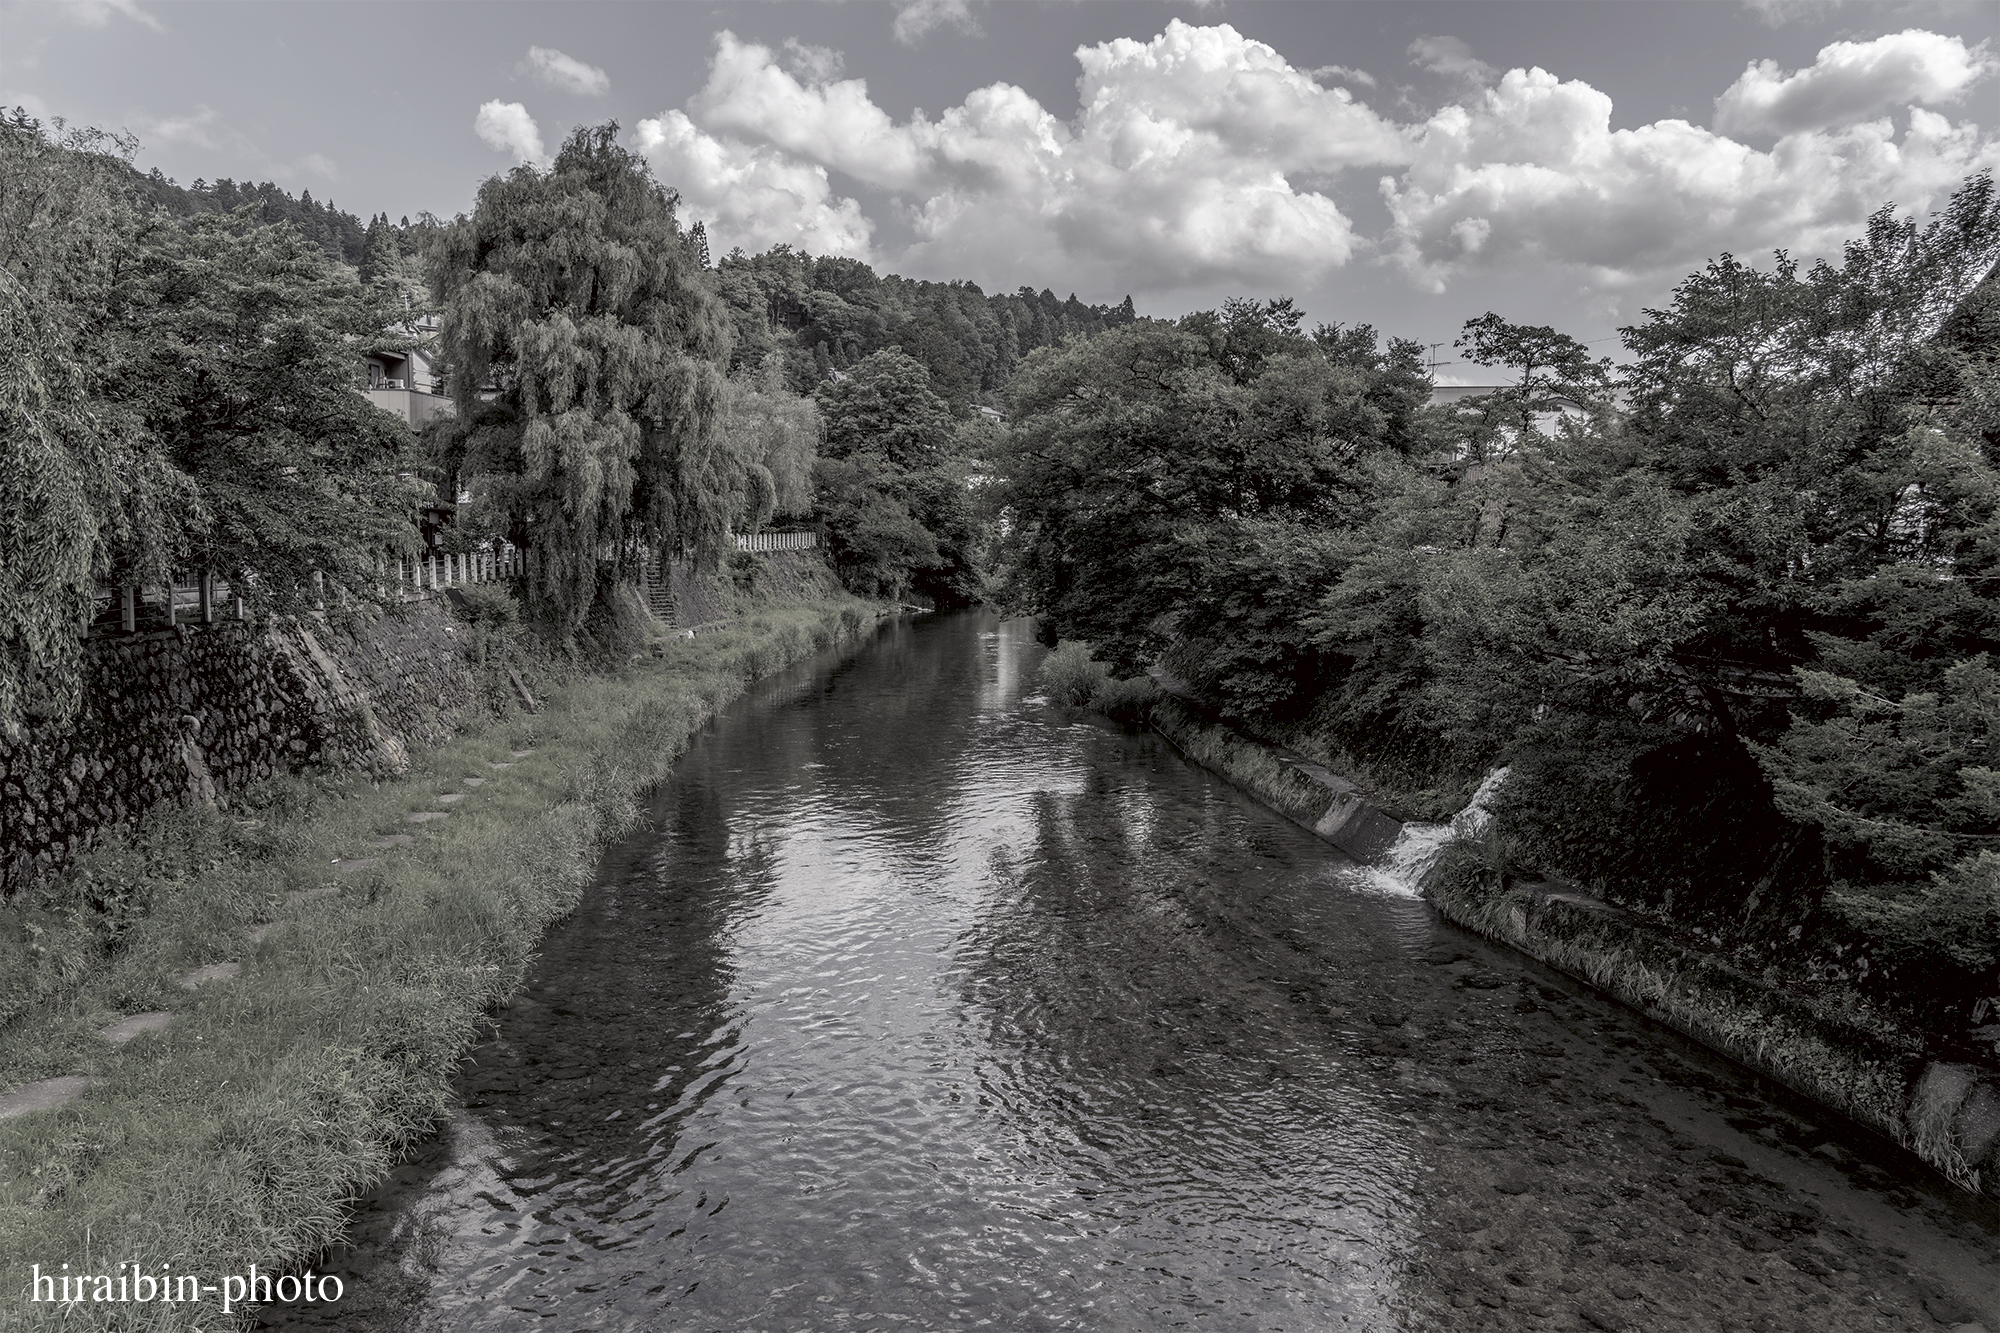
1939, 1100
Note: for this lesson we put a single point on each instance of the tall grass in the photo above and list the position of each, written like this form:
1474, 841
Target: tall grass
239, 1134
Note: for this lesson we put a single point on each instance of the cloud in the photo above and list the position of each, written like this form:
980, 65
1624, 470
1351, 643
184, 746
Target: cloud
1452, 59
200, 128
1530, 176
917, 19
1851, 81
755, 197
1177, 171
553, 69
99, 13
1343, 74
508, 127
814, 64
1777, 13
1202, 159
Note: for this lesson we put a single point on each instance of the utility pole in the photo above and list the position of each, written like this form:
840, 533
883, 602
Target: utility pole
1435, 363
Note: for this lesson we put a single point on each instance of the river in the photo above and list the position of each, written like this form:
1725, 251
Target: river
925, 1005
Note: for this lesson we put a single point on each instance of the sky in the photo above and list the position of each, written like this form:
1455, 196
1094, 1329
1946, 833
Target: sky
1404, 164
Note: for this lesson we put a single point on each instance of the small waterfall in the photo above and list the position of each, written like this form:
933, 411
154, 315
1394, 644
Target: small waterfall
1417, 848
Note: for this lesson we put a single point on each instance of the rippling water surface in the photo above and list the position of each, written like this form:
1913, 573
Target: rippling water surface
926, 1005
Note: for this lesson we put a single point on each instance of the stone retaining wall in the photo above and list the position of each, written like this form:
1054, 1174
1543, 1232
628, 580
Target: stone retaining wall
190, 714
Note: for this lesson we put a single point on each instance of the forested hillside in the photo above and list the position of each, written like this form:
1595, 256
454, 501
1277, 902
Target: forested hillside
828, 313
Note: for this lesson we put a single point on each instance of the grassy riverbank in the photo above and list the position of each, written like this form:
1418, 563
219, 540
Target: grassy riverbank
237, 1134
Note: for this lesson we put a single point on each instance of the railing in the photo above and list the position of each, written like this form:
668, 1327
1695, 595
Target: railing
777, 541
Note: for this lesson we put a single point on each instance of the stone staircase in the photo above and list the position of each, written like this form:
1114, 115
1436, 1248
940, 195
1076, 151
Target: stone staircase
659, 590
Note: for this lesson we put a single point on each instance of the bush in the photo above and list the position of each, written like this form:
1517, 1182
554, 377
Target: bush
1127, 699
1070, 676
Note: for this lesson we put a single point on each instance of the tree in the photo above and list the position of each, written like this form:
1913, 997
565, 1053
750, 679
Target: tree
1554, 369
235, 346
1176, 483
582, 343
84, 489
774, 435
892, 485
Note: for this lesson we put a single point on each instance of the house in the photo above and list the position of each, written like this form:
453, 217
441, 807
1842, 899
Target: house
405, 383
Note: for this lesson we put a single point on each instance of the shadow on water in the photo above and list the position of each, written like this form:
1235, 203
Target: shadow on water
924, 1004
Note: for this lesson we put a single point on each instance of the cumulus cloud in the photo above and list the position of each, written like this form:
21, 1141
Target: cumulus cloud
752, 196
1343, 74
1203, 159
1177, 170
507, 127
917, 19
814, 64
1450, 58
1851, 81
1531, 175
553, 69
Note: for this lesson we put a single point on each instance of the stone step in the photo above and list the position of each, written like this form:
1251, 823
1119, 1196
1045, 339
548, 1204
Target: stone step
201, 976
347, 865
129, 1027
46, 1095
426, 816
391, 840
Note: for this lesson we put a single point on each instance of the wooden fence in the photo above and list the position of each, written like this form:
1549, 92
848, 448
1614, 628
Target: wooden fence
777, 541
206, 597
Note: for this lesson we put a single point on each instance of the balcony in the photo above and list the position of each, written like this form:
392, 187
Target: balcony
414, 406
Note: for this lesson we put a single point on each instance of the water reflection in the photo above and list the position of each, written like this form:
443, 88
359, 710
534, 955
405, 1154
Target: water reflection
925, 1006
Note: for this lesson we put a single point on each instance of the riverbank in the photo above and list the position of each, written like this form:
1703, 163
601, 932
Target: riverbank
1927, 1095
270, 1037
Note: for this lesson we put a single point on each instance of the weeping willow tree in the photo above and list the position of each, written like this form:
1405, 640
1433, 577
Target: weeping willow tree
581, 342
83, 489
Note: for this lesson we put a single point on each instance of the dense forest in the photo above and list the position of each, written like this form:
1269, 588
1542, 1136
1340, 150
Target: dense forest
1727, 610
